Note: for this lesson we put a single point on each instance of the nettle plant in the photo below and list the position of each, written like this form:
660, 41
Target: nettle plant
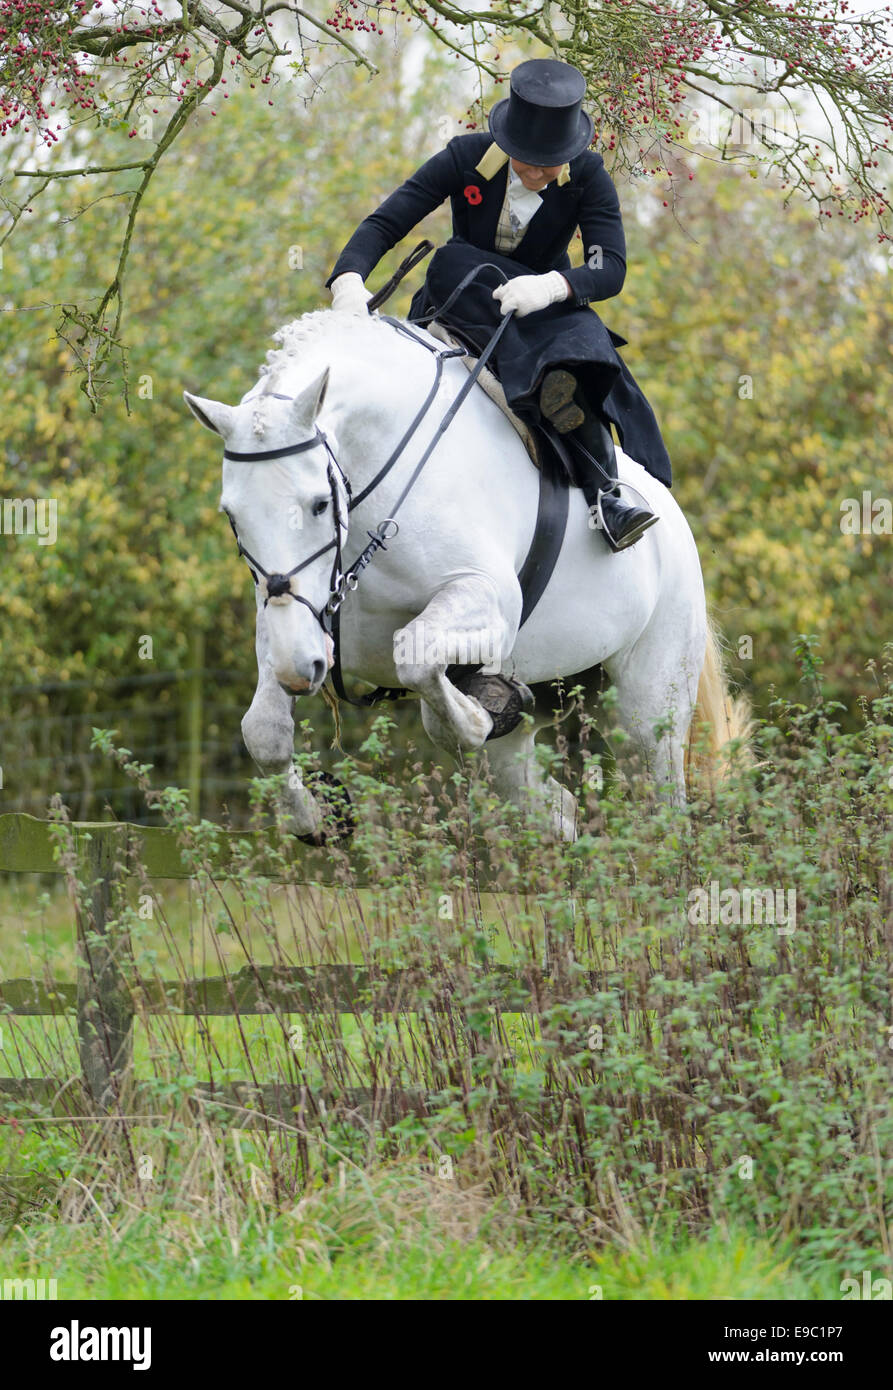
580, 1046
802, 90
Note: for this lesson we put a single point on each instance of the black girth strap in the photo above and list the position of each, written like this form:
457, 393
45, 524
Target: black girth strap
548, 538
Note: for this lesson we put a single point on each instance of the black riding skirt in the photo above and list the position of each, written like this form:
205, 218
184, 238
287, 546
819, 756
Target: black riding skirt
562, 335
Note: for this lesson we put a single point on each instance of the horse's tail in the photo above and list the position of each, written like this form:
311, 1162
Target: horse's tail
718, 718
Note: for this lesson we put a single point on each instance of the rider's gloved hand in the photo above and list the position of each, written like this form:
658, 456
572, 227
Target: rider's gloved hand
528, 293
349, 294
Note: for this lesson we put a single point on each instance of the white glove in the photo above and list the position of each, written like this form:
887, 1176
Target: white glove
528, 293
349, 294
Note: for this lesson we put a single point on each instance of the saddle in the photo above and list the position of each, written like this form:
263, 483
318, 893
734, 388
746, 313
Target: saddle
546, 449
492, 387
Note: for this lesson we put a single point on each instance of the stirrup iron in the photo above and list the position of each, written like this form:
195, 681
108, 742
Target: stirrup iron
601, 524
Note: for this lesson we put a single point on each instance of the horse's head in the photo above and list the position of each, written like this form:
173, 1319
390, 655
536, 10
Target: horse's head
286, 499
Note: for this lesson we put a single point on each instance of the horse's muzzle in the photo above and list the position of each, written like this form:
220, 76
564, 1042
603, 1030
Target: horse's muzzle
303, 685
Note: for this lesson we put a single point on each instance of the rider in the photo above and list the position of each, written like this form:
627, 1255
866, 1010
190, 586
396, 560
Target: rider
518, 196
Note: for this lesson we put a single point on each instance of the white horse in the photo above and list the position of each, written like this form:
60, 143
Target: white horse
446, 590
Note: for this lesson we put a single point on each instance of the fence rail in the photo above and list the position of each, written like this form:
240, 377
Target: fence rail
105, 1005
247, 1103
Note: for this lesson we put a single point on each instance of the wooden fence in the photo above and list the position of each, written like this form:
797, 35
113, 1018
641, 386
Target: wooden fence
185, 723
105, 1005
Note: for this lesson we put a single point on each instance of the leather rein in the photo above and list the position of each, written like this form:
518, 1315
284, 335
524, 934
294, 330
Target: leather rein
341, 581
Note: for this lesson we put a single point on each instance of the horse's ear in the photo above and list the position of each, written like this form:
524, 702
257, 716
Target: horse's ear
308, 404
214, 415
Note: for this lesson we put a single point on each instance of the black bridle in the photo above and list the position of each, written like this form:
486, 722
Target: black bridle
342, 581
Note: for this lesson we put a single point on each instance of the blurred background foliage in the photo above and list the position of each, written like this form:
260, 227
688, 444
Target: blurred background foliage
762, 339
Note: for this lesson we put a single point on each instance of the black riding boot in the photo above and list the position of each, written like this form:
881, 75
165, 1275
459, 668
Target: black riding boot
560, 402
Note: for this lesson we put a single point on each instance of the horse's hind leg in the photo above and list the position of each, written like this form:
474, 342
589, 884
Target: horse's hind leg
657, 684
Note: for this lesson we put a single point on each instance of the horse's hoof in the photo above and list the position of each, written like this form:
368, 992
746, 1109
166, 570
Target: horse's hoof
338, 819
504, 699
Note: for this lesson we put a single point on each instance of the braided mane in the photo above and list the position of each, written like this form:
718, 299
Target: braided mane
292, 338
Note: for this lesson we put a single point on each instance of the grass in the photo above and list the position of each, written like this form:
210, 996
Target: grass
400, 1234
744, 1270
37, 924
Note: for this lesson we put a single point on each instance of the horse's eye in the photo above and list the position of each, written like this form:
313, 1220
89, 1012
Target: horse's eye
319, 506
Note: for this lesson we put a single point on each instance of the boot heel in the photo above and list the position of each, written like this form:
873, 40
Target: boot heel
570, 417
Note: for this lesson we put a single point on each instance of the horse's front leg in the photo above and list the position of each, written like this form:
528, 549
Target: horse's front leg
469, 622
268, 728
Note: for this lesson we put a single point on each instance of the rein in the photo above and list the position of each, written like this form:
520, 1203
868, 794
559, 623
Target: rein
341, 581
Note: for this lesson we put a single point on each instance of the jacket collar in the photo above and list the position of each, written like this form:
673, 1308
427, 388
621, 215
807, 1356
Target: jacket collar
495, 159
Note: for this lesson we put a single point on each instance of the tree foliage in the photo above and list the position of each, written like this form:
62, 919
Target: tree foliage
736, 289
142, 74
141, 547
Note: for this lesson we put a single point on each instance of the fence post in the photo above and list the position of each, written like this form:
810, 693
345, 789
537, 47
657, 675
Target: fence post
104, 1010
192, 718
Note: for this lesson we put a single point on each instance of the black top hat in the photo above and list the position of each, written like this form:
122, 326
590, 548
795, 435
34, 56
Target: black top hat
541, 122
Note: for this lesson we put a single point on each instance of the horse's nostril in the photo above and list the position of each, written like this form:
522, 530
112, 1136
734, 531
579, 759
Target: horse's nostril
311, 681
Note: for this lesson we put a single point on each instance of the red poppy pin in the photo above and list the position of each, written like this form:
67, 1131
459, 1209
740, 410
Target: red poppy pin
473, 194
